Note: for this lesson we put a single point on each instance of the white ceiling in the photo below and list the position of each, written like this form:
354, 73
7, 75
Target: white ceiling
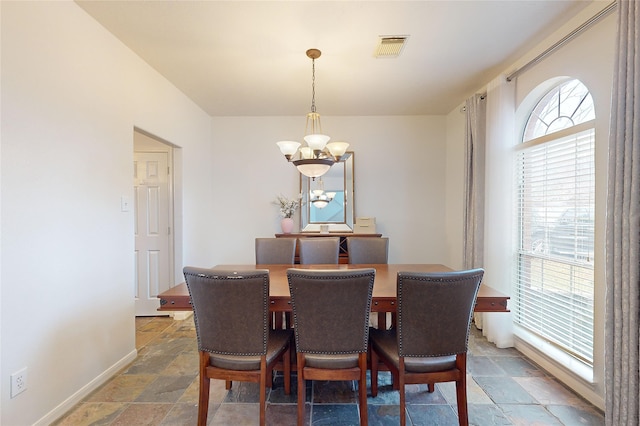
247, 58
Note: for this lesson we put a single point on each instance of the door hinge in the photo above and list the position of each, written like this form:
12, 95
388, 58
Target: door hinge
169, 230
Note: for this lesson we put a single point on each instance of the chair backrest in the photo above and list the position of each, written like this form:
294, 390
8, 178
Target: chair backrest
275, 251
365, 250
230, 310
434, 311
331, 309
320, 250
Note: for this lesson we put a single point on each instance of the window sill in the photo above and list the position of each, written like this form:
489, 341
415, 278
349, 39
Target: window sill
552, 355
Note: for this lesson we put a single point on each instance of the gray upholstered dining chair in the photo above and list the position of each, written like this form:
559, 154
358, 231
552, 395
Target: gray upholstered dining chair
275, 251
331, 324
325, 250
368, 250
430, 342
235, 342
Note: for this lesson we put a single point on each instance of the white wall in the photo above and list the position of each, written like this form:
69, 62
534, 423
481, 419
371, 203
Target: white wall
589, 58
399, 179
71, 96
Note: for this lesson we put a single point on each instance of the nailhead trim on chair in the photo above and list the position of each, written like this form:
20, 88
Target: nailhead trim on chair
265, 321
366, 334
417, 278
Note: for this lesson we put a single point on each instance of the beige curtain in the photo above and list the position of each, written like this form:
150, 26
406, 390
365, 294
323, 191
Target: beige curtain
474, 183
474, 150
498, 208
622, 357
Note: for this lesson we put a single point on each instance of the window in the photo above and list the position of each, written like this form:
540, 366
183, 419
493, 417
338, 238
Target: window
555, 221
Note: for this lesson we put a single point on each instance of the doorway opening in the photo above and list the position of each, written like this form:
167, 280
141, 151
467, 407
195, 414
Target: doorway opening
156, 227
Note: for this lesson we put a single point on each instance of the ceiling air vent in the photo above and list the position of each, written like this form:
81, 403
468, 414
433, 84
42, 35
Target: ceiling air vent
390, 46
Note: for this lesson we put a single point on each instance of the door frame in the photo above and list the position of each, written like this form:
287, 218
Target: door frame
144, 141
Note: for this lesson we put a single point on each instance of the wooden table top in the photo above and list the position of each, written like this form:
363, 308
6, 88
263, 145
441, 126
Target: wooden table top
384, 288
384, 285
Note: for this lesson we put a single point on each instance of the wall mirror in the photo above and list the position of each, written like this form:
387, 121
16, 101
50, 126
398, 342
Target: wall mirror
337, 185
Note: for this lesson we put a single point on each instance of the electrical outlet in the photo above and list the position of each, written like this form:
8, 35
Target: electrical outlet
18, 382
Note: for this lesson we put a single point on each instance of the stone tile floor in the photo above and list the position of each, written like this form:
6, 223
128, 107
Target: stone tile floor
161, 388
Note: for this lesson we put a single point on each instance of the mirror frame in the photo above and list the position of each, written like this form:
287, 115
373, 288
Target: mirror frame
349, 196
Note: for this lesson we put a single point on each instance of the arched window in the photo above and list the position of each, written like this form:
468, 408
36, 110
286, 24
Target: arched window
555, 226
562, 107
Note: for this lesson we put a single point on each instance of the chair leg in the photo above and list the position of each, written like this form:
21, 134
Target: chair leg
287, 371
287, 320
461, 390
203, 396
461, 399
362, 389
263, 389
227, 384
278, 321
374, 373
394, 380
403, 414
301, 388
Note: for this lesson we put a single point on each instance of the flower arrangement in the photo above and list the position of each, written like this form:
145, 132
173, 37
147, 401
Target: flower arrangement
287, 206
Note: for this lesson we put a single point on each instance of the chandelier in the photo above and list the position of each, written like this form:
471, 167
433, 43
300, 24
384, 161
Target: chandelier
319, 198
317, 157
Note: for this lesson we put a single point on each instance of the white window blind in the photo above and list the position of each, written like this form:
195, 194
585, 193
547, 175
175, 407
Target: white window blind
554, 252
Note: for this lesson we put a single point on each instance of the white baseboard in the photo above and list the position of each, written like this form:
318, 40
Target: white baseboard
77, 397
181, 315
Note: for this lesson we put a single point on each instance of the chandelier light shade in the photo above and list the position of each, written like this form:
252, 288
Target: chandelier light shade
337, 149
313, 167
318, 155
319, 198
320, 203
288, 148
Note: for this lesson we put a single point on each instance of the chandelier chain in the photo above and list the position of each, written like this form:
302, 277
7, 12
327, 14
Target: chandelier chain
314, 159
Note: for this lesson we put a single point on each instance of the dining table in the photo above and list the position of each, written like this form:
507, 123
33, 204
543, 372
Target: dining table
384, 288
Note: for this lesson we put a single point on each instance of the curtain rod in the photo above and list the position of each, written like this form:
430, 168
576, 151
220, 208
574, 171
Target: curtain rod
483, 96
595, 18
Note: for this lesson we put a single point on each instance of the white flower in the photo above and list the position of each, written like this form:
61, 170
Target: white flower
287, 207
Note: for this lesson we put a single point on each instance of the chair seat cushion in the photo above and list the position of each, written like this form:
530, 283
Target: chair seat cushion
278, 340
332, 361
385, 343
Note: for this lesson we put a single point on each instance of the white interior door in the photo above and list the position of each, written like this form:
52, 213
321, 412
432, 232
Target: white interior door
152, 232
